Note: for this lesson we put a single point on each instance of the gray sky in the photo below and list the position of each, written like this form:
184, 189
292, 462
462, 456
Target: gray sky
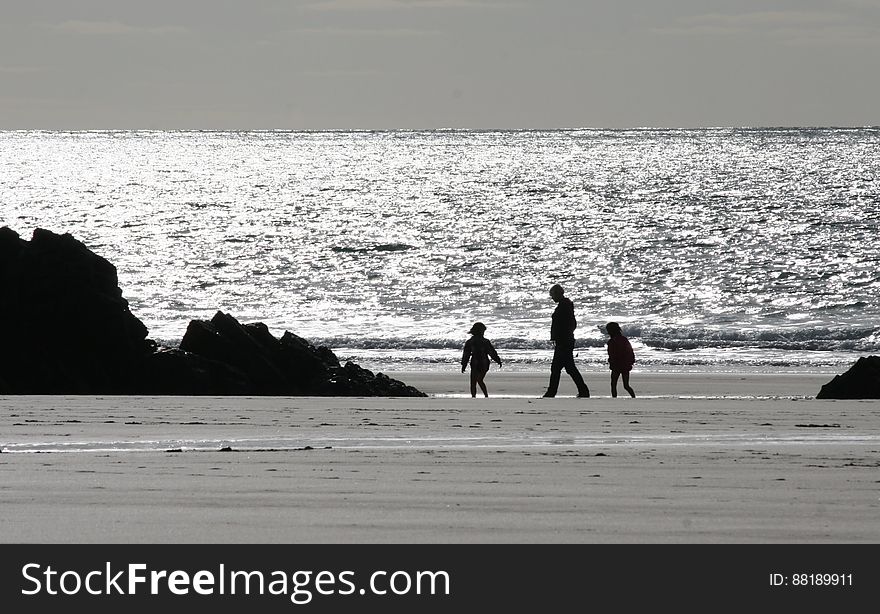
313, 64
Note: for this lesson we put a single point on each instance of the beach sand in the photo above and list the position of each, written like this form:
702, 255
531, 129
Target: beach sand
695, 459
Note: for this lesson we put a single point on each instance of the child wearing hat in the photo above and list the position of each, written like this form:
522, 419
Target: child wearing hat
478, 350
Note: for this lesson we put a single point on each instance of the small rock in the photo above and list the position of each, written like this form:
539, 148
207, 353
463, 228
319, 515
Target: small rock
861, 381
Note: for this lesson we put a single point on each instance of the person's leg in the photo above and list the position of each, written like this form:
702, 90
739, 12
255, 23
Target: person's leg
480, 375
473, 383
614, 376
555, 373
572, 370
626, 386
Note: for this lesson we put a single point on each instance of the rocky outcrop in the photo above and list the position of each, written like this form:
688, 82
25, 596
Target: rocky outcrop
66, 329
861, 381
289, 366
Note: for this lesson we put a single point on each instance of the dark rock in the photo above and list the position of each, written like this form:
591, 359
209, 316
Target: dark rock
354, 380
308, 364
175, 372
289, 366
67, 329
232, 347
861, 381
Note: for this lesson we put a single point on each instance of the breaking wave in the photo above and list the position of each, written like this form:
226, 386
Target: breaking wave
859, 339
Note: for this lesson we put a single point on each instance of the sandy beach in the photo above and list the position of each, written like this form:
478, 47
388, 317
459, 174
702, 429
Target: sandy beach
697, 458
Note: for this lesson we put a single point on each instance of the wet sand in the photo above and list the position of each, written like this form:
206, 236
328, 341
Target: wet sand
695, 459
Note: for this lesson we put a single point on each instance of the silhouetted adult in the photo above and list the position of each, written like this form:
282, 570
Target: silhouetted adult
562, 333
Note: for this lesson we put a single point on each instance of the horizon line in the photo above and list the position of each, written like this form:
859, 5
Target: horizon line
460, 129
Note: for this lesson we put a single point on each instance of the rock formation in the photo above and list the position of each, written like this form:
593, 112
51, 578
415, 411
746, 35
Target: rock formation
861, 381
66, 329
289, 366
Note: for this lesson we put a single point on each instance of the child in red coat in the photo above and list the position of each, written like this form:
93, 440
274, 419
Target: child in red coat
478, 350
620, 358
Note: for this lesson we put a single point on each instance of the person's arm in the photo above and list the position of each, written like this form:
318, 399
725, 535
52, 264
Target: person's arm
572, 321
564, 322
465, 355
492, 353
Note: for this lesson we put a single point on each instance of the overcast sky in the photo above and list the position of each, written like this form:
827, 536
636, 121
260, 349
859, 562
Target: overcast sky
313, 64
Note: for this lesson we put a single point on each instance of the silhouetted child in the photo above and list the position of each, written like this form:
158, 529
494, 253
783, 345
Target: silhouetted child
621, 358
478, 350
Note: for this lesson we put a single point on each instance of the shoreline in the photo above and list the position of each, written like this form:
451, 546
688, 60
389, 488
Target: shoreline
529, 384
725, 464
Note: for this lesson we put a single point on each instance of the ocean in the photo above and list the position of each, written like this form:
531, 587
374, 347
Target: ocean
715, 249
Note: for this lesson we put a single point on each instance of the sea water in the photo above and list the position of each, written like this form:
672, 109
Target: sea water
715, 249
